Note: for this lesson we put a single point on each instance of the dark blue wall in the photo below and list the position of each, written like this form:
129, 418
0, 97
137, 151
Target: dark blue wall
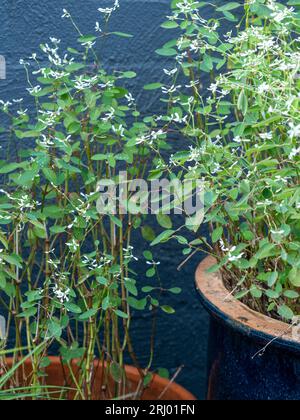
181, 338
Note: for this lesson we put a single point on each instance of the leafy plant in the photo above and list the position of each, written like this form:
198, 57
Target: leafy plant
242, 136
66, 274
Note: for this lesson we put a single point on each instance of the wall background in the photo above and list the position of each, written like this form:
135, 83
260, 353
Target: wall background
181, 339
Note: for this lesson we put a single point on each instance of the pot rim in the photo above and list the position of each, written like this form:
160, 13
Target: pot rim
236, 315
157, 382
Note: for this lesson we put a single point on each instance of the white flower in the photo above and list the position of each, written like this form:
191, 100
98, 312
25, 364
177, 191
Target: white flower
73, 245
239, 139
213, 87
281, 15
130, 99
5, 105
176, 118
170, 72
34, 90
97, 27
109, 116
263, 88
170, 90
61, 295
23, 62
233, 258
277, 232
223, 247
18, 101
66, 14
109, 10
22, 113
186, 6
195, 154
153, 263
108, 84
294, 130
295, 152
119, 130
266, 136
195, 45
85, 82
128, 254
266, 45
55, 41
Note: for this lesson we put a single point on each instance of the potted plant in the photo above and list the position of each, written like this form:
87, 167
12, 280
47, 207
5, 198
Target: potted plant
67, 282
242, 136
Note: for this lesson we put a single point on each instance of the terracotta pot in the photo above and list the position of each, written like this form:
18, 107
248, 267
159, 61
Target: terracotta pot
58, 375
251, 356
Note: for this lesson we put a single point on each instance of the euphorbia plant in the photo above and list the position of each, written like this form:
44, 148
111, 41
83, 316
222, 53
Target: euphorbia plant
66, 276
242, 139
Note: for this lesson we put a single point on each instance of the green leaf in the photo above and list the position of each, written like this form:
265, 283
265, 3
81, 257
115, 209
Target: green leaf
131, 287
153, 86
265, 251
229, 6
88, 314
148, 255
148, 379
102, 280
291, 294
272, 278
241, 295
57, 229
151, 272
45, 362
148, 289
12, 259
168, 309
165, 221
129, 75
87, 38
217, 234
116, 221
170, 24
285, 312
71, 307
255, 292
122, 34
294, 277
243, 102
121, 314
54, 329
175, 290
163, 373
148, 233
140, 305
163, 237
2, 281
166, 52
9, 168
116, 372
50, 175
28, 313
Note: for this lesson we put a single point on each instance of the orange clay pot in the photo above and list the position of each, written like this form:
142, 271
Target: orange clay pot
160, 388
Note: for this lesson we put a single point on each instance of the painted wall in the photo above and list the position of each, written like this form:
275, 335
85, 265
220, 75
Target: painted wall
181, 339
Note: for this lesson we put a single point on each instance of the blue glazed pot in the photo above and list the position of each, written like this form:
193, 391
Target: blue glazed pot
250, 356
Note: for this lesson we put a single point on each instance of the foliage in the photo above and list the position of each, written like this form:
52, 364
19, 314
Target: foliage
66, 271
242, 137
